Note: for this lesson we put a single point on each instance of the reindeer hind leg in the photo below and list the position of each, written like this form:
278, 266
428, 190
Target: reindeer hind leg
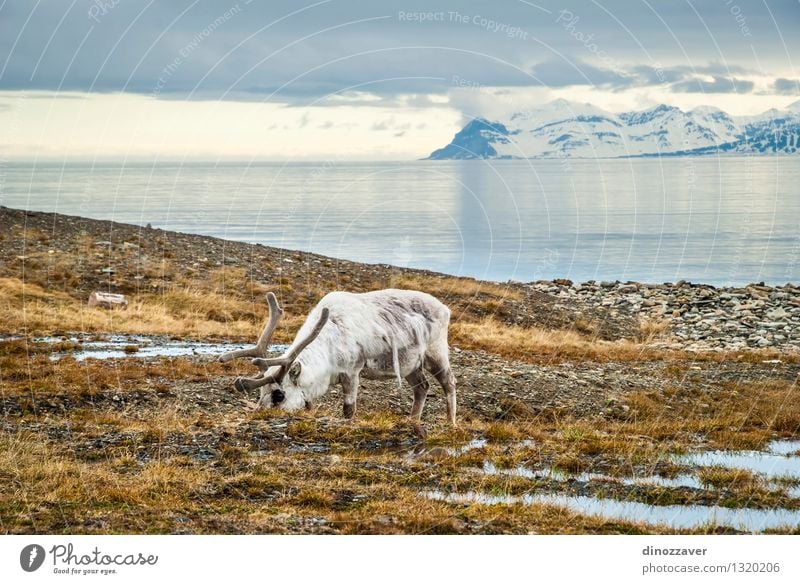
438, 364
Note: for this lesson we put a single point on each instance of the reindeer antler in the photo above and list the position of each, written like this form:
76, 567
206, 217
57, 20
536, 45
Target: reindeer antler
285, 361
260, 350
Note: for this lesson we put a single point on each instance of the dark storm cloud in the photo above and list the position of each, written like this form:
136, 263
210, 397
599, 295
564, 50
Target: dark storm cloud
649, 75
679, 79
558, 73
717, 85
284, 50
787, 86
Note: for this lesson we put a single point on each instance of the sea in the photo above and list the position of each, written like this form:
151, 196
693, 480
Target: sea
717, 220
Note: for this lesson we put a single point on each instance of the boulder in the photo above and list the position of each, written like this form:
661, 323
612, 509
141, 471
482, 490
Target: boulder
108, 300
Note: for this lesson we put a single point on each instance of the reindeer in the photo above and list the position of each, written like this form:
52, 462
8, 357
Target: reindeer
381, 334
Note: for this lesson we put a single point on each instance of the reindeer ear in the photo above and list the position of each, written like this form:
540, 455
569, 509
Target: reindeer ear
294, 371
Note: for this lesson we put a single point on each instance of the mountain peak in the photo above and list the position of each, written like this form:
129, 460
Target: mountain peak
705, 110
660, 109
475, 140
658, 112
562, 128
478, 122
794, 107
562, 103
574, 106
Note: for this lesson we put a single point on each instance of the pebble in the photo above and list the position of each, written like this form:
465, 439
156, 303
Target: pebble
698, 317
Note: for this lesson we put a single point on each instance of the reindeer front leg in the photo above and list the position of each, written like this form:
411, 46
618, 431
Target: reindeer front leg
420, 386
349, 385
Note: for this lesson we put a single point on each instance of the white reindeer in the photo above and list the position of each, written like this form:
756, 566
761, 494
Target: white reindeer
381, 334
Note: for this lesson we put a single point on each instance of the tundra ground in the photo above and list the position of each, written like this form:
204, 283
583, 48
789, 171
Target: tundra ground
166, 445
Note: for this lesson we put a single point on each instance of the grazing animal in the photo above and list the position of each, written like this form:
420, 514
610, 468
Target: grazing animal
381, 334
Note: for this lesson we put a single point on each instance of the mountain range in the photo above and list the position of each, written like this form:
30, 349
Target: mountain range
563, 129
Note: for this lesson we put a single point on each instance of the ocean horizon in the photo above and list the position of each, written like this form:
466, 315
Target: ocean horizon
722, 221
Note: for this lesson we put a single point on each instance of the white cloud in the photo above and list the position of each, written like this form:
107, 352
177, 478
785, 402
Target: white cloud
121, 124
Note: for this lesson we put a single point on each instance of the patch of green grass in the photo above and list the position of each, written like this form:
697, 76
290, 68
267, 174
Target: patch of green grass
729, 478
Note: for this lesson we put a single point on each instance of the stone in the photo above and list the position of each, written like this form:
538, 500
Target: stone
108, 300
777, 313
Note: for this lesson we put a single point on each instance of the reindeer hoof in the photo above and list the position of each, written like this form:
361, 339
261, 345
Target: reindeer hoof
420, 431
239, 385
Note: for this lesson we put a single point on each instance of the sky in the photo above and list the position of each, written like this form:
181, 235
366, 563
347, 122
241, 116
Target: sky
363, 80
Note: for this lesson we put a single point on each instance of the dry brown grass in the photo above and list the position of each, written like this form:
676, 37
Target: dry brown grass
502, 432
230, 305
736, 415
43, 486
652, 329
448, 287
29, 309
532, 344
363, 481
26, 370
729, 478
49, 491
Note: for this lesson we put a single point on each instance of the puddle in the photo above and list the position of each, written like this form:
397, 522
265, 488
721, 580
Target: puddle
420, 451
778, 461
773, 463
683, 480
784, 447
674, 516
114, 347
471, 445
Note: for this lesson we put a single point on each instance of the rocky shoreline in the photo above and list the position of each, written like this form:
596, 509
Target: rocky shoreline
699, 317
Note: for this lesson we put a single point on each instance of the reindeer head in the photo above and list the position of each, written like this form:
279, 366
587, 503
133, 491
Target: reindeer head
286, 390
284, 384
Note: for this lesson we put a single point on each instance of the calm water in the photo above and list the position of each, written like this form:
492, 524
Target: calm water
780, 460
675, 516
723, 221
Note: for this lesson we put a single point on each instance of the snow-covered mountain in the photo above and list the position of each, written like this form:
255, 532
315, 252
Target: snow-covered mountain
563, 129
